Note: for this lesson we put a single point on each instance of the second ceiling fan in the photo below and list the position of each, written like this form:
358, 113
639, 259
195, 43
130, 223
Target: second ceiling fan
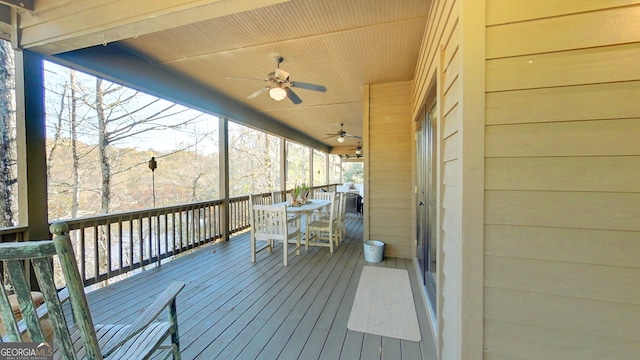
280, 86
341, 135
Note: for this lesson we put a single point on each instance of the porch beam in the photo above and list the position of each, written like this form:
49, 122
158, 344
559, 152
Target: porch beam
113, 64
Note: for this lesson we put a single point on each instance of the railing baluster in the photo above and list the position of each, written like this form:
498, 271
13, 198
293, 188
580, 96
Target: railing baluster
130, 244
96, 259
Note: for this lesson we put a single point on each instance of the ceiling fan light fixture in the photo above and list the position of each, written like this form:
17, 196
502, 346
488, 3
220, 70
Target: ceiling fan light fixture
341, 139
277, 93
358, 151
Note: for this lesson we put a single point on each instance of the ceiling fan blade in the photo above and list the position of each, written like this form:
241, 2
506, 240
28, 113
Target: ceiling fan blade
292, 96
308, 86
246, 79
331, 135
353, 136
264, 89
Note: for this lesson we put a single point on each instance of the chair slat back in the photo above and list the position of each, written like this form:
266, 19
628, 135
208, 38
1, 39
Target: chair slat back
269, 222
324, 195
277, 197
40, 255
259, 199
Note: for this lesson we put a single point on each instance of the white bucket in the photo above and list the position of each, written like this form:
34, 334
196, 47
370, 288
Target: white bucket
373, 250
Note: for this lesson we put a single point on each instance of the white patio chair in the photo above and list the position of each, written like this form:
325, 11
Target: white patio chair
271, 223
323, 195
323, 229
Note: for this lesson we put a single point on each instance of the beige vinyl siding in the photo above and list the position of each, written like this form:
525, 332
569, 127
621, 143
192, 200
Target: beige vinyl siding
440, 72
388, 156
562, 201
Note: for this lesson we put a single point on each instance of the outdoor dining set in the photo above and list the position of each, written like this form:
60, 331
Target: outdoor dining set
274, 219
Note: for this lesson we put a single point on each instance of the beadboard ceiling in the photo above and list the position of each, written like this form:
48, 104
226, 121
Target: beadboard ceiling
342, 45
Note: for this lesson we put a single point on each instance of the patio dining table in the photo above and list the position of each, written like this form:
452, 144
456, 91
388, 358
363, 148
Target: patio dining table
307, 209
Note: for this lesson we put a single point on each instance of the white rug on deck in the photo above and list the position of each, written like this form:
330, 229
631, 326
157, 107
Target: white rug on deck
384, 304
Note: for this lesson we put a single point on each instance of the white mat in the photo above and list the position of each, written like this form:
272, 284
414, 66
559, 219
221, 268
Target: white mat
384, 304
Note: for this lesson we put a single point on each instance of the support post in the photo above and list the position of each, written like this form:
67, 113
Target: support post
223, 144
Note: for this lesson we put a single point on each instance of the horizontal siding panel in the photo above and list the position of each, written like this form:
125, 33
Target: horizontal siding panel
397, 99
390, 175
587, 102
390, 204
438, 29
451, 173
451, 225
382, 139
598, 247
599, 318
391, 189
389, 166
450, 148
398, 250
397, 120
391, 214
398, 229
451, 74
451, 96
386, 152
377, 91
582, 210
567, 280
577, 67
534, 342
583, 138
508, 11
385, 156
606, 173
615, 26
397, 126
451, 122
385, 110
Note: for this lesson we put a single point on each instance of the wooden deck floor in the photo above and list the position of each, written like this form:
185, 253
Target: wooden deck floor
234, 309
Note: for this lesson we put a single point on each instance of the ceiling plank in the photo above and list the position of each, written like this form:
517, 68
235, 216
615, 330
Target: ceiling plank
80, 25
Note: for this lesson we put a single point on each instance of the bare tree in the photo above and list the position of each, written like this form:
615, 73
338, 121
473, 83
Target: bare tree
120, 116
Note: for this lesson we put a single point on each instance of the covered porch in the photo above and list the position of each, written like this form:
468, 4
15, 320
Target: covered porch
232, 308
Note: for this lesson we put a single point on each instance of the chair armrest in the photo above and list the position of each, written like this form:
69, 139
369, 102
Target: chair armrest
145, 318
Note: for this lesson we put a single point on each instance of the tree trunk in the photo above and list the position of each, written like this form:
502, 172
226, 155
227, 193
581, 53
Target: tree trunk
74, 145
103, 144
7, 132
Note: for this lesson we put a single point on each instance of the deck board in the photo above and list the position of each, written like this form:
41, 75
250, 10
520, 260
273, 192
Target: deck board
234, 309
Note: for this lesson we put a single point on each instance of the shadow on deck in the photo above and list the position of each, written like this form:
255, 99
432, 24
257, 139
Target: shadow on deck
234, 309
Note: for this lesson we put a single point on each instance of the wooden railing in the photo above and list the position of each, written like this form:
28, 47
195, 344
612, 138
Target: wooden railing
111, 245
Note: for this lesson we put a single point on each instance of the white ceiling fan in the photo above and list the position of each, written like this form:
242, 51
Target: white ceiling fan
280, 86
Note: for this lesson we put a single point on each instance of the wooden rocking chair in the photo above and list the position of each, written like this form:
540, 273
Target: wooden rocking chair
82, 339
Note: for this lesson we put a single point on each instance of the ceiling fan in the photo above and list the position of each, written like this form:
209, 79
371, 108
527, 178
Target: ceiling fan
280, 86
342, 135
358, 149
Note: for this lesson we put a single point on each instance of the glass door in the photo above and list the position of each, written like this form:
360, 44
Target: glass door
427, 200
